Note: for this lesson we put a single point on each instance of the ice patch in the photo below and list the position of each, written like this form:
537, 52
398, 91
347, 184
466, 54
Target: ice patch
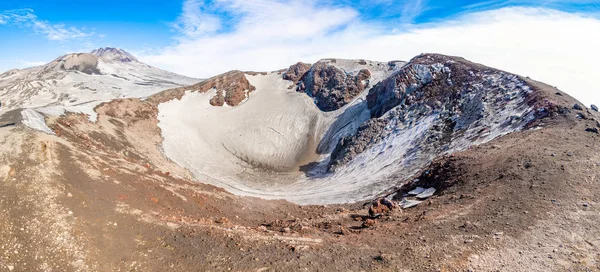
416, 191
427, 193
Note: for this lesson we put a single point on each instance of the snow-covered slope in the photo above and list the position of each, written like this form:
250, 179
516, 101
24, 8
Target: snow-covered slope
78, 82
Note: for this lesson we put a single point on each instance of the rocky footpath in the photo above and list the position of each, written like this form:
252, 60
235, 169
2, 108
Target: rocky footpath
463, 103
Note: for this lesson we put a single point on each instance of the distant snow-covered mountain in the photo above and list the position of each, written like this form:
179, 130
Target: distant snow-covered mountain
114, 54
77, 82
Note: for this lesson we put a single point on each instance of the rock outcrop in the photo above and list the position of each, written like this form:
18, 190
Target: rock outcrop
296, 71
331, 87
230, 88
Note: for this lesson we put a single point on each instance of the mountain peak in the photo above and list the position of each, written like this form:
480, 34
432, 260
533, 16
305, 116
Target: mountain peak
115, 54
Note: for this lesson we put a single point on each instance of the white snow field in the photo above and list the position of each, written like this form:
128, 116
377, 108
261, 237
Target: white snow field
79, 82
276, 145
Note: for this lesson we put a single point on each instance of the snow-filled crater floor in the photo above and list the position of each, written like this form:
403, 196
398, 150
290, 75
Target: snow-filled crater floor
277, 144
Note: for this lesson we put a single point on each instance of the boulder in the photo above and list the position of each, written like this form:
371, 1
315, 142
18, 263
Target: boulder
594, 107
217, 100
382, 206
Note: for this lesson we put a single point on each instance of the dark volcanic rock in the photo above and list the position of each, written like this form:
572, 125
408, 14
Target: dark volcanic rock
296, 71
577, 107
331, 87
437, 97
594, 107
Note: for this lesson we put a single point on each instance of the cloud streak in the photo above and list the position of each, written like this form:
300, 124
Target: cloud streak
26, 18
547, 45
195, 20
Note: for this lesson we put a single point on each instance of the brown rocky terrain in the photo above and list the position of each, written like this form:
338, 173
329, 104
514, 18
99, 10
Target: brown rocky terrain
102, 197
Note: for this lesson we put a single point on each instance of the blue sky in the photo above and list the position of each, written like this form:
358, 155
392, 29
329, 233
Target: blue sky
203, 38
127, 24
148, 25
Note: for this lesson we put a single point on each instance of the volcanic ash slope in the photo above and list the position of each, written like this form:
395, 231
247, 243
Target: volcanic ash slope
393, 119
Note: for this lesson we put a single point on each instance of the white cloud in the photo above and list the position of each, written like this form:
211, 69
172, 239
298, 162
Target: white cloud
554, 47
195, 20
54, 32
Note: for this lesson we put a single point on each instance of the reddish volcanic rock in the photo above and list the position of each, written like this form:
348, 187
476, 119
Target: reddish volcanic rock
381, 206
218, 100
232, 88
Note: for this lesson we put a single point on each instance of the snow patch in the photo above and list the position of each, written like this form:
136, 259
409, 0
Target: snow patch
35, 120
85, 108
